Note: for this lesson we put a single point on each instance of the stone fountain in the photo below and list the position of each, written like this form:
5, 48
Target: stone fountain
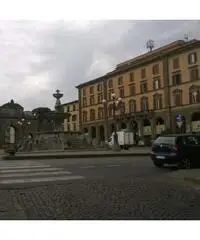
50, 133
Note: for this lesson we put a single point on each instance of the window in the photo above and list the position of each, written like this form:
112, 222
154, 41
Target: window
176, 78
84, 116
177, 97
110, 83
192, 140
176, 63
156, 83
68, 127
132, 90
110, 95
192, 58
143, 87
74, 127
194, 74
110, 110
100, 113
84, 92
68, 108
92, 90
84, 101
121, 92
131, 77
132, 106
74, 118
92, 101
100, 98
120, 80
92, 114
99, 87
165, 140
155, 69
143, 73
74, 107
157, 101
144, 104
194, 95
122, 108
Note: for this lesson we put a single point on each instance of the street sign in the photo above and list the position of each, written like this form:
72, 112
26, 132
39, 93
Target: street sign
179, 123
179, 117
179, 120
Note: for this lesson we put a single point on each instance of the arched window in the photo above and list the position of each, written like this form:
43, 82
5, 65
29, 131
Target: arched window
110, 110
92, 114
177, 97
157, 101
100, 113
132, 106
194, 94
144, 105
84, 116
122, 108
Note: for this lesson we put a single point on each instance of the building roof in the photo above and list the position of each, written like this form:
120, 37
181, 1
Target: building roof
144, 58
12, 105
68, 103
169, 47
96, 80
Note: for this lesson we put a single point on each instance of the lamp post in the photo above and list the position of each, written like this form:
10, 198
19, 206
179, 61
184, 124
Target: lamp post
115, 106
22, 124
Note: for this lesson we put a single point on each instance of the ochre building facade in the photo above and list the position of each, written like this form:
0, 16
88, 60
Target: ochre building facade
72, 123
154, 88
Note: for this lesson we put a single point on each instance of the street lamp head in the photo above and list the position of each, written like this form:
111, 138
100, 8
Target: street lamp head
113, 95
23, 119
29, 123
104, 101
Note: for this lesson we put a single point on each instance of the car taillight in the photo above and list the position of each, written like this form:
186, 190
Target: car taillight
176, 148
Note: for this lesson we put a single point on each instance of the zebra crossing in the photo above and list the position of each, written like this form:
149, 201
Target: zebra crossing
20, 172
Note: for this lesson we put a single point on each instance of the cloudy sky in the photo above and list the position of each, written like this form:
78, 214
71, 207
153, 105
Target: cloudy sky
38, 57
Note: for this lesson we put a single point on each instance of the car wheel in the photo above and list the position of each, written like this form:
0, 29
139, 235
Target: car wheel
186, 163
158, 165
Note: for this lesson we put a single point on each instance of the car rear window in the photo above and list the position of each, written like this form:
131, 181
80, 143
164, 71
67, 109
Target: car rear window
166, 140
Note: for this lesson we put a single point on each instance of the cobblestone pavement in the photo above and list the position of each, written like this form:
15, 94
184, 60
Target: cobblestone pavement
130, 190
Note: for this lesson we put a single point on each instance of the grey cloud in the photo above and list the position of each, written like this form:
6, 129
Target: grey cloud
44, 56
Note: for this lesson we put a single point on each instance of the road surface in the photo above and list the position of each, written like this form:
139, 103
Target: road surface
107, 188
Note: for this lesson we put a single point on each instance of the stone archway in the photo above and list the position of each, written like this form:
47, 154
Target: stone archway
85, 130
111, 128
102, 133
123, 125
160, 126
195, 122
147, 132
134, 127
10, 134
93, 132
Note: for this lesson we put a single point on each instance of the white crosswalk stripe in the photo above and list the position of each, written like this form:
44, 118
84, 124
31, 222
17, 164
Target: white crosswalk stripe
32, 172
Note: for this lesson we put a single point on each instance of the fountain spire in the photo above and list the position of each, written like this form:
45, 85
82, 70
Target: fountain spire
58, 96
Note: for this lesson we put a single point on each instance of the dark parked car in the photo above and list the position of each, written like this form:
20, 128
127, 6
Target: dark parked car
180, 150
